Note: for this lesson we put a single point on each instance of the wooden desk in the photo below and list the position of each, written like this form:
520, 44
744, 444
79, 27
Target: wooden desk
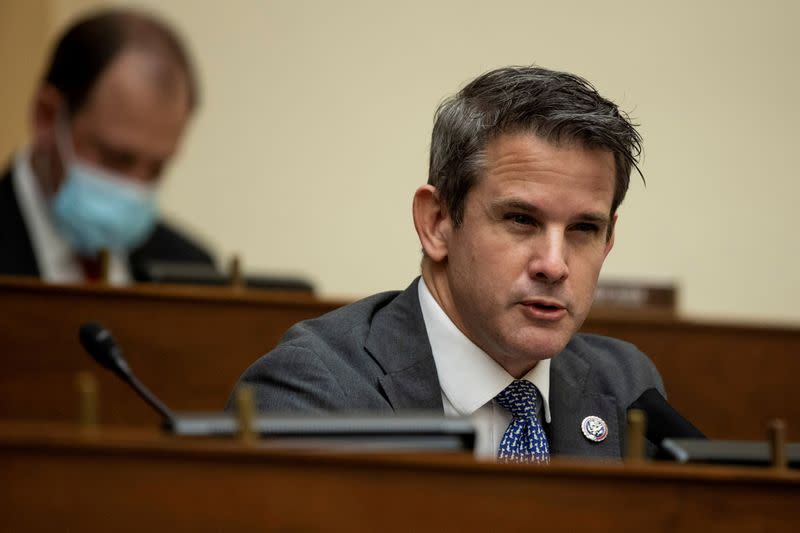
56, 479
190, 344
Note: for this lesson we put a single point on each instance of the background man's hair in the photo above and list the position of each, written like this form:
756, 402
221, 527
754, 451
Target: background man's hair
558, 107
89, 46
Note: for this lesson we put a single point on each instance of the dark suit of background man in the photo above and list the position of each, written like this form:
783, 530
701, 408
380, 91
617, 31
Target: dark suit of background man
527, 169
107, 118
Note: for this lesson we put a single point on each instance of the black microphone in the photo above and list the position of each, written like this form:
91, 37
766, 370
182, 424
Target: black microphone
356, 432
99, 343
663, 421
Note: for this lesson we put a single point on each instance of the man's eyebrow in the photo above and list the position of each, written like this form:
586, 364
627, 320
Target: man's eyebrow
597, 218
514, 203
601, 219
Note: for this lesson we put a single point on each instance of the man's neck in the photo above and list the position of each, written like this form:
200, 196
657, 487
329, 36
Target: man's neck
435, 277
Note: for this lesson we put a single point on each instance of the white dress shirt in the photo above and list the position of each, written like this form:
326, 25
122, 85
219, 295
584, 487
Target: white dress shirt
56, 260
470, 379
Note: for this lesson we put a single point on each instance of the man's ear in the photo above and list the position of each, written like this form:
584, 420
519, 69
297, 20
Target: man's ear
432, 222
47, 104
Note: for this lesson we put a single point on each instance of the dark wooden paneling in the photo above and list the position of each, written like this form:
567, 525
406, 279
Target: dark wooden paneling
58, 480
188, 345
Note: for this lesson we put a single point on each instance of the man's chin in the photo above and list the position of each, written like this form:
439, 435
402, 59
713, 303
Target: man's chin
521, 363
544, 345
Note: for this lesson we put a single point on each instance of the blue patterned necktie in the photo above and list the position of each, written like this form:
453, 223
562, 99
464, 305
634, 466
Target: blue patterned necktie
524, 439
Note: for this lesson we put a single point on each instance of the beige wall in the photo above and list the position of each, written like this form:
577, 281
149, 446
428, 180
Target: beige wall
23, 37
27, 30
316, 117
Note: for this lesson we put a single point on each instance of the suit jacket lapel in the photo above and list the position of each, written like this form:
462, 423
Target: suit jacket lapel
572, 400
398, 341
16, 250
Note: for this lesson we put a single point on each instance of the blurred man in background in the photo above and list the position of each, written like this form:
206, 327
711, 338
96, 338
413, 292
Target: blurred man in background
107, 118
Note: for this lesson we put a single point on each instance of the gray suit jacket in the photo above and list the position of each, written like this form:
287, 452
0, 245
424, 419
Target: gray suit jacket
374, 355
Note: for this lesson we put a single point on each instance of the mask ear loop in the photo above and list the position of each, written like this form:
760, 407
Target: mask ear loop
64, 143
64, 150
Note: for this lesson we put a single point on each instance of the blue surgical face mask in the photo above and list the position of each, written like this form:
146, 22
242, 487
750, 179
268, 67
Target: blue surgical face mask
96, 209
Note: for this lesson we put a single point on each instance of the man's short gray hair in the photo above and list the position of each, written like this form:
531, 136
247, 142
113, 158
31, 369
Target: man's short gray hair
558, 107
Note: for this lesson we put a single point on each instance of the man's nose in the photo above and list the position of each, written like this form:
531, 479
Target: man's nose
549, 262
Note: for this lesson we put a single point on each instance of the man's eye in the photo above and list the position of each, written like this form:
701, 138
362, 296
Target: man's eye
521, 219
586, 227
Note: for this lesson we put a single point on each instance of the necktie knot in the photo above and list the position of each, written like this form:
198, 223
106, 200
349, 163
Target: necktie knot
521, 398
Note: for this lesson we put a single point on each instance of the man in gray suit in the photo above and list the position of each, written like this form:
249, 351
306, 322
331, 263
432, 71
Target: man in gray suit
527, 169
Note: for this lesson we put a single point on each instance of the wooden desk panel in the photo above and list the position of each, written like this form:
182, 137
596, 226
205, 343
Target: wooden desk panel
59, 480
189, 345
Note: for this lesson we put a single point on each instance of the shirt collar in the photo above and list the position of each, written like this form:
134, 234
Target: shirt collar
53, 254
469, 378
